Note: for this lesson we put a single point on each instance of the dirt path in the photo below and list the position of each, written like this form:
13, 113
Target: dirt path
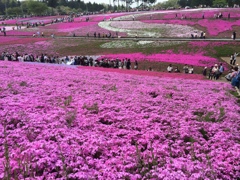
227, 60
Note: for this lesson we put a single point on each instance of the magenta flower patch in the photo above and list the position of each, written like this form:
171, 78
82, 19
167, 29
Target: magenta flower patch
61, 122
71, 26
234, 13
214, 27
17, 40
196, 59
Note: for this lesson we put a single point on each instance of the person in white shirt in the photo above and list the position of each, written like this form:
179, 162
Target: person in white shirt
231, 58
169, 68
190, 70
234, 58
232, 74
120, 64
20, 58
215, 72
215, 68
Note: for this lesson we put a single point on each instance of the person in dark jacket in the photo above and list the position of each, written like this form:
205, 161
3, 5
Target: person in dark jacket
128, 64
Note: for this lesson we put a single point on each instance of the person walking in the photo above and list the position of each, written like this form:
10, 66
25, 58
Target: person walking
234, 35
204, 35
128, 64
204, 72
215, 71
231, 59
221, 69
4, 31
135, 65
234, 58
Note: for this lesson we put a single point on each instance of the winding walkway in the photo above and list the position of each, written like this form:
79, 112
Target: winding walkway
134, 38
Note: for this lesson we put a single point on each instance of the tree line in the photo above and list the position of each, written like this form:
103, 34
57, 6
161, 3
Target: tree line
211, 3
198, 3
42, 7
48, 7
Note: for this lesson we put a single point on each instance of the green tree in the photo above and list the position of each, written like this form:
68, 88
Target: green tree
232, 2
36, 7
14, 11
219, 3
64, 10
193, 3
170, 3
152, 1
64, 2
182, 3
52, 4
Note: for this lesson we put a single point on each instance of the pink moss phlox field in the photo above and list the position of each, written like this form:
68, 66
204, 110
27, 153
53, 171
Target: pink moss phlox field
213, 26
171, 21
191, 59
64, 122
46, 19
7, 40
234, 13
17, 40
95, 28
100, 18
14, 21
17, 33
69, 27
79, 28
35, 46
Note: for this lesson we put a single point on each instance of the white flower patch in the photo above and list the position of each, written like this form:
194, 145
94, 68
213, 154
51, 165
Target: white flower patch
107, 25
140, 33
139, 44
118, 44
144, 42
179, 30
141, 29
133, 25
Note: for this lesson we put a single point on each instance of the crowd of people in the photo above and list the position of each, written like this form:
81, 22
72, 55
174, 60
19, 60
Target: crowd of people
234, 73
3, 30
214, 72
186, 69
215, 16
104, 35
35, 24
233, 58
234, 76
195, 34
72, 60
